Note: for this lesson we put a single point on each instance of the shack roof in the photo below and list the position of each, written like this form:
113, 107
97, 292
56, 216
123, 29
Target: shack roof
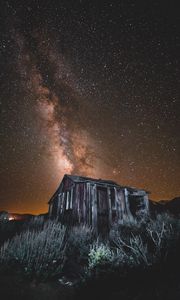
82, 179
79, 179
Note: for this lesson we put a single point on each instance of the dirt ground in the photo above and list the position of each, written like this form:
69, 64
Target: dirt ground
16, 288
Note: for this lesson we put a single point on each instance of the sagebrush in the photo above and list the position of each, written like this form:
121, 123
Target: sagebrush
37, 253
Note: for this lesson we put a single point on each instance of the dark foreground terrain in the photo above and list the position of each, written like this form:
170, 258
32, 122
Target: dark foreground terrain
42, 259
155, 284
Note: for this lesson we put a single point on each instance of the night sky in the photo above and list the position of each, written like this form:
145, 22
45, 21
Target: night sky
88, 89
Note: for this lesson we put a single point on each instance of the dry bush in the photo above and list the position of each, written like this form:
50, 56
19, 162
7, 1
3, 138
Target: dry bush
133, 252
35, 223
36, 253
78, 245
79, 240
100, 254
147, 242
162, 235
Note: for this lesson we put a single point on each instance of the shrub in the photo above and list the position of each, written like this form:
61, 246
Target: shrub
38, 254
100, 254
8, 230
78, 244
162, 235
80, 238
133, 252
126, 227
145, 243
35, 223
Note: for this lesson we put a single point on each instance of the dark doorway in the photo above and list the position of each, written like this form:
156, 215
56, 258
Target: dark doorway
136, 204
102, 211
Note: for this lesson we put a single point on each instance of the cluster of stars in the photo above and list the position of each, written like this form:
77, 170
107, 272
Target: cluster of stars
88, 89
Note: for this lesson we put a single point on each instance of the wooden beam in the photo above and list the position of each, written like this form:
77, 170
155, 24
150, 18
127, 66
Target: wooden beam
138, 193
87, 203
146, 202
116, 203
119, 205
109, 204
94, 206
123, 204
129, 215
67, 200
59, 204
62, 203
71, 198
84, 203
77, 201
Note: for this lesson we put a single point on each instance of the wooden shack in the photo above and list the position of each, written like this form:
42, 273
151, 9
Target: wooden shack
96, 202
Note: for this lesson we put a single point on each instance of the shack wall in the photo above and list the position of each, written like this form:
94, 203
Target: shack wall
84, 203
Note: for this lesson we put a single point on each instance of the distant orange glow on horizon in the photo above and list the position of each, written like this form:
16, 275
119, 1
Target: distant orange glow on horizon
40, 206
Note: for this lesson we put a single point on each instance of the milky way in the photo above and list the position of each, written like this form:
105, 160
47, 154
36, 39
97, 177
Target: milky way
88, 90
58, 106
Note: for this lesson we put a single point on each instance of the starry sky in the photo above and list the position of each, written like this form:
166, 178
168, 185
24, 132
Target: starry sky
88, 88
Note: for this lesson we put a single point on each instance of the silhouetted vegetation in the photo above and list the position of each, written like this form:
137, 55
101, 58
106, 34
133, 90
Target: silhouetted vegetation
137, 254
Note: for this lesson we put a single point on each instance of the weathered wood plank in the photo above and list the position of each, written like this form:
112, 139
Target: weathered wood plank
109, 204
119, 205
129, 215
59, 204
62, 203
116, 202
122, 203
146, 203
77, 202
89, 203
84, 203
67, 200
94, 206
71, 198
